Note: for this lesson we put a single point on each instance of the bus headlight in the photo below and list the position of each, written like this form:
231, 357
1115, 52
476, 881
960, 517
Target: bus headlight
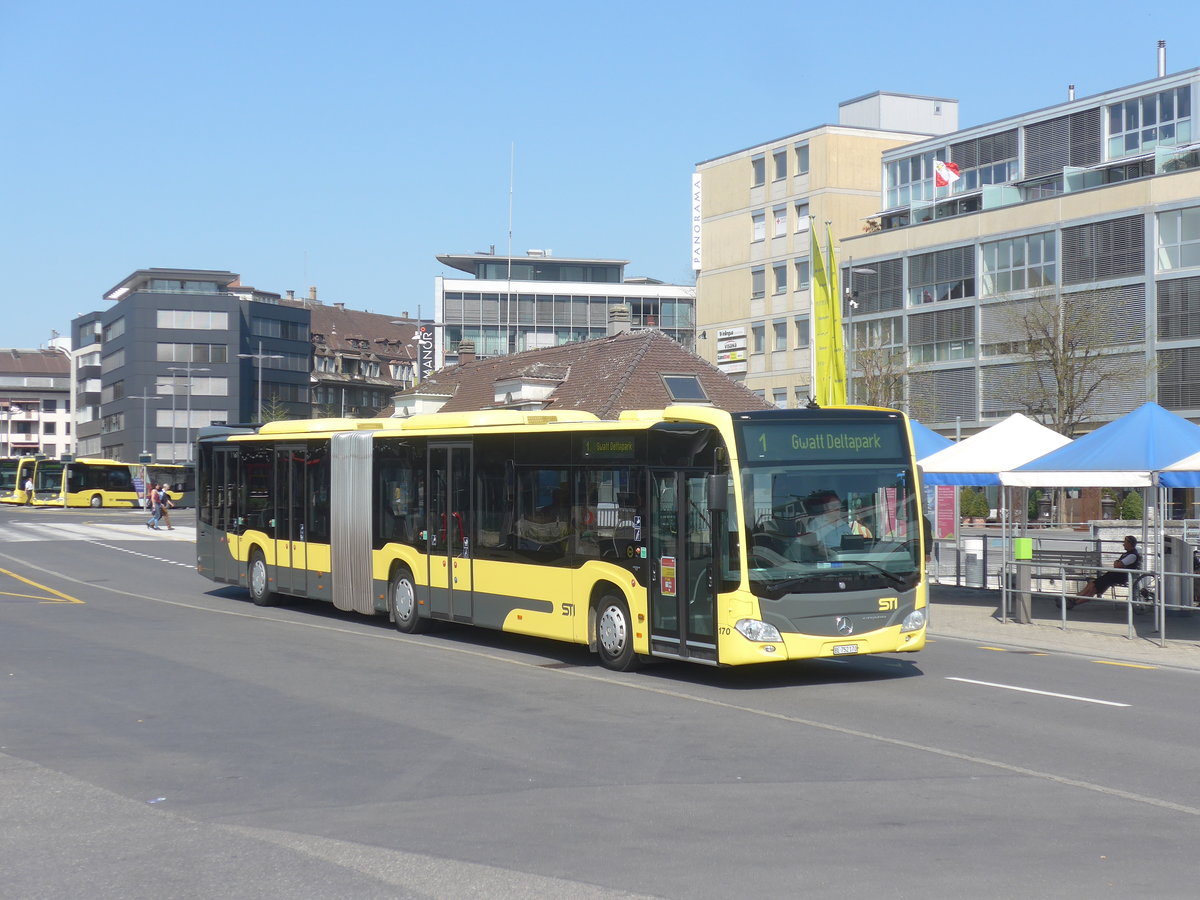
757, 630
914, 621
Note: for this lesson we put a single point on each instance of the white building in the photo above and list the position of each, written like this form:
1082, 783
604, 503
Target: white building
510, 304
35, 403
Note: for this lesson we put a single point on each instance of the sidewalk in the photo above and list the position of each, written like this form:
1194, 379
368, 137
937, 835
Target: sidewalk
1096, 628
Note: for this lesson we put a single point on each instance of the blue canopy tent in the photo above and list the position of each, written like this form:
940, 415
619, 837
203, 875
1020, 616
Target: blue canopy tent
1183, 474
926, 441
1122, 453
1128, 452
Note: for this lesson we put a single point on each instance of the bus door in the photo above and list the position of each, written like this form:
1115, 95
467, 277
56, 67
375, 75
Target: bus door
682, 592
216, 522
449, 523
291, 575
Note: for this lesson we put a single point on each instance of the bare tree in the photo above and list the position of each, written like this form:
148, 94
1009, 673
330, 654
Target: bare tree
1064, 343
877, 363
880, 375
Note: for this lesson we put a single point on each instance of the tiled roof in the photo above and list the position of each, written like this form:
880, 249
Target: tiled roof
33, 362
357, 332
604, 376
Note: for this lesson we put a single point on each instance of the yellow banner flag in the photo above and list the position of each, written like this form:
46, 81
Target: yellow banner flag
829, 361
837, 372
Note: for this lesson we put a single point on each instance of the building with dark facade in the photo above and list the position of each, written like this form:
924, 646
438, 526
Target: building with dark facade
179, 349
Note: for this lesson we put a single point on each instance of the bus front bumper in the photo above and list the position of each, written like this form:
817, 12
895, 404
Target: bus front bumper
736, 649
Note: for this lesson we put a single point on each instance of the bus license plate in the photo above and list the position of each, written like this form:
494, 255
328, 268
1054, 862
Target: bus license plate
845, 649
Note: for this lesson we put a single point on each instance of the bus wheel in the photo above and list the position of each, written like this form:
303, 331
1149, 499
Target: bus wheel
260, 590
97, 501
614, 634
402, 603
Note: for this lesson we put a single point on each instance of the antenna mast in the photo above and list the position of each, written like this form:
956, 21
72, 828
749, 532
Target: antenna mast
512, 155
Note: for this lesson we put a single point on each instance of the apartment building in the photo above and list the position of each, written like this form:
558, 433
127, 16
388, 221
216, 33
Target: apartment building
35, 402
1092, 204
360, 358
751, 215
516, 303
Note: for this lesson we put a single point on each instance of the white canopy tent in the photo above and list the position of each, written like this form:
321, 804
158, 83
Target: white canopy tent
979, 459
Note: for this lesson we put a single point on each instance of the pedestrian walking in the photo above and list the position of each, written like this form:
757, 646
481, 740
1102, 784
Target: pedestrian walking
164, 505
154, 505
29, 492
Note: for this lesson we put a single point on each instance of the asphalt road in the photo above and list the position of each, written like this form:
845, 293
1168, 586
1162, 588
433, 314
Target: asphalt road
166, 738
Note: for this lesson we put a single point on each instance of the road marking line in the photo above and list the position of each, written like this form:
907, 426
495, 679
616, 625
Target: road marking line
1108, 662
613, 680
1024, 690
63, 598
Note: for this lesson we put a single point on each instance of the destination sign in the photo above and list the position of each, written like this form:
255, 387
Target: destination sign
849, 441
608, 448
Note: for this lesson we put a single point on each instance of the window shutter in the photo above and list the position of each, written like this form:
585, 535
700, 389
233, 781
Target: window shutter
942, 325
1179, 378
1101, 250
1117, 314
1047, 146
1179, 308
942, 396
1085, 138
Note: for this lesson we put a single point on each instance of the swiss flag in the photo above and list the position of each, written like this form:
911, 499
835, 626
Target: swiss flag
944, 173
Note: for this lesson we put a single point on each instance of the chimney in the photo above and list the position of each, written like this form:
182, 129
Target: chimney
1162, 59
312, 293
1070, 92
619, 318
291, 295
466, 352
339, 305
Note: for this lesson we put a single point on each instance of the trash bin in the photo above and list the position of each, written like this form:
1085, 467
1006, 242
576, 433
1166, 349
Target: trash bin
973, 575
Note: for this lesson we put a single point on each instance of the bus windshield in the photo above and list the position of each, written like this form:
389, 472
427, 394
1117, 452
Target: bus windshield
830, 505
8, 475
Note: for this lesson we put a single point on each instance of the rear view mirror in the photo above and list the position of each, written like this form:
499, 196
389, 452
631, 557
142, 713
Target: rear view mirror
718, 492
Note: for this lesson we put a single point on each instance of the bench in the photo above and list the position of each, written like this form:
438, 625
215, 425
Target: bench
1075, 565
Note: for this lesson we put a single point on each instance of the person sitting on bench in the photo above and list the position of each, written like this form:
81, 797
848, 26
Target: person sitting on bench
1129, 559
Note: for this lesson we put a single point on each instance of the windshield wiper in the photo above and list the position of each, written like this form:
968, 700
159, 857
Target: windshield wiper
891, 576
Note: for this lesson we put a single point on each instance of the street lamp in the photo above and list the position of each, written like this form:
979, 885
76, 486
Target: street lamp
145, 398
8, 430
189, 369
851, 306
259, 357
70, 355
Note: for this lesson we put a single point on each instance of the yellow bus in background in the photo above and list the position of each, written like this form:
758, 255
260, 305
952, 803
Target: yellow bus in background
22, 469
8, 476
85, 482
180, 476
688, 533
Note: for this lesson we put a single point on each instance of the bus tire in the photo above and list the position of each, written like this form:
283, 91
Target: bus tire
402, 602
97, 501
614, 633
259, 579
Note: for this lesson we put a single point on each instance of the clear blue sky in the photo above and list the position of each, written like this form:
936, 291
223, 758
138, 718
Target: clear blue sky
344, 145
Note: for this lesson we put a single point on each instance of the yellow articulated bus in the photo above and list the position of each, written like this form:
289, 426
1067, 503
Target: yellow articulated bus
686, 533
83, 482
